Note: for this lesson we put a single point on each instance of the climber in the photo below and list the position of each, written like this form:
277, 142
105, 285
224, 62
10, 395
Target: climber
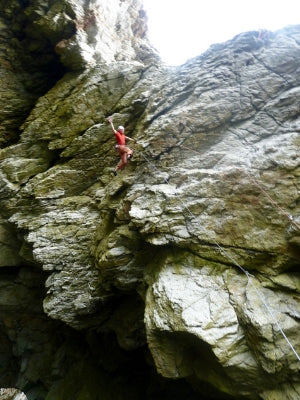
125, 152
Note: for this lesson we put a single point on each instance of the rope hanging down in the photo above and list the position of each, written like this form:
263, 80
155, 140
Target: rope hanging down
274, 203
229, 257
291, 219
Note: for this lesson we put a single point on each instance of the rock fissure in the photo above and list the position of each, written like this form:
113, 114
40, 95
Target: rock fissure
115, 287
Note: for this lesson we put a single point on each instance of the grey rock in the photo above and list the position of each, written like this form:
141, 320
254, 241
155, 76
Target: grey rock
185, 264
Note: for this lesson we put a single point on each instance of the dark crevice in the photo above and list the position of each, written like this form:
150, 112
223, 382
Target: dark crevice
9, 271
37, 62
31, 60
191, 354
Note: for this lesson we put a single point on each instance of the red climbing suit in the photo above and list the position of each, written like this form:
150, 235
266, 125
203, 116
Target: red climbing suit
123, 150
121, 138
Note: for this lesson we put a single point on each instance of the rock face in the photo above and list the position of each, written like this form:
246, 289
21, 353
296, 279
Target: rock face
179, 278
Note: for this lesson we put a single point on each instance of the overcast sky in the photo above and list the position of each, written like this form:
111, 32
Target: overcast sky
181, 29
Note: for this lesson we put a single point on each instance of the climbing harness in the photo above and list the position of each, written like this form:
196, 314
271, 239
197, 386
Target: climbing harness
229, 257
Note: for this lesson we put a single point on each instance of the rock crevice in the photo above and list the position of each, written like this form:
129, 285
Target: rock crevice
164, 281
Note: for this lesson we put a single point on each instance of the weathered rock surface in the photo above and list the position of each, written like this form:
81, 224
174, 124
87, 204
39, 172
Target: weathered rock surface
12, 394
173, 279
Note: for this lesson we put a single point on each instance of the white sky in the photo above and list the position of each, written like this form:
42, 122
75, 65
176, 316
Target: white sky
181, 29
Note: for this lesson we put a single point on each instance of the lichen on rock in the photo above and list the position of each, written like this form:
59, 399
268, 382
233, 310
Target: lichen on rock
178, 277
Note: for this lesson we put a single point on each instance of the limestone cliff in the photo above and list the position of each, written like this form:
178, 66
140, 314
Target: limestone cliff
179, 277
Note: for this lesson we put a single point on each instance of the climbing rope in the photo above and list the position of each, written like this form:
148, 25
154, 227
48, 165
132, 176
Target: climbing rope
284, 212
229, 257
290, 217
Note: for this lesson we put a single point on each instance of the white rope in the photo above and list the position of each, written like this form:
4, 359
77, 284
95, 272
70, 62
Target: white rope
222, 250
274, 203
274, 319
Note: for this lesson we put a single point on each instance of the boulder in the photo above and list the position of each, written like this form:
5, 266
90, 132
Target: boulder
178, 277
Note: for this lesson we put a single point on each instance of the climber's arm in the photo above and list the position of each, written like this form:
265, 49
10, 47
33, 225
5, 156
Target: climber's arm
129, 138
109, 119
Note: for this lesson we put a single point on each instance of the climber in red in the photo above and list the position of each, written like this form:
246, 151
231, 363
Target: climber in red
125, 152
